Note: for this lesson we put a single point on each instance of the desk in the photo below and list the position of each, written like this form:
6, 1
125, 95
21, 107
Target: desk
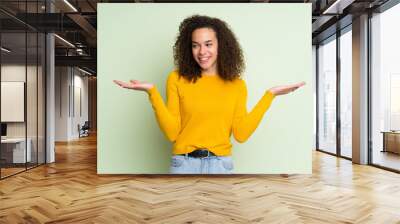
391, 141
17, 150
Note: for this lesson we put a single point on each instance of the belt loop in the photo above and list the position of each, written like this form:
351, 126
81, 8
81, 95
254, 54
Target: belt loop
186, 156
208, 153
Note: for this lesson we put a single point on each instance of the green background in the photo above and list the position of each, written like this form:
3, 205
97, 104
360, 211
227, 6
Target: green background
135, 42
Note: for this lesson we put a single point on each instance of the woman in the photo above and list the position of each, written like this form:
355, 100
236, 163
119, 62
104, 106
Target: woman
206, 98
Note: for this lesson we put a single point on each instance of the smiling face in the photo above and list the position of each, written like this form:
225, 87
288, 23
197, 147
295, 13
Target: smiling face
205, 49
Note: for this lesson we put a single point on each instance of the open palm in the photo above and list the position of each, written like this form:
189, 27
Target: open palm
285, 89
134, 84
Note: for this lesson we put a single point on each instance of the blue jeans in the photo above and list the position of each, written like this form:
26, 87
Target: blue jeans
208, 165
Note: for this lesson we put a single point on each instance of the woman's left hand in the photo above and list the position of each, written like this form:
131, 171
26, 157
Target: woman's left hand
281, 90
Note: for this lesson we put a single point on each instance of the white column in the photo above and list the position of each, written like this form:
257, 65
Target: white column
50, 92
50, 100
360, 90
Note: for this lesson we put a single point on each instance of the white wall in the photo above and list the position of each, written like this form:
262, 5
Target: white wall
15, 72
62, 81
33, 127
70, 83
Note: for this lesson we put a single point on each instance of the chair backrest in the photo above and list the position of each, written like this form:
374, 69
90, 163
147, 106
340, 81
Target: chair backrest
86, 125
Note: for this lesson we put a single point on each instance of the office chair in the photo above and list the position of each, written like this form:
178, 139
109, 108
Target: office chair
84, 130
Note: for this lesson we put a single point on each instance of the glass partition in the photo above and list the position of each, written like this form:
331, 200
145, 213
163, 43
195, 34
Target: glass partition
22, 78
327, 96
385, 89
346, 93
14, 154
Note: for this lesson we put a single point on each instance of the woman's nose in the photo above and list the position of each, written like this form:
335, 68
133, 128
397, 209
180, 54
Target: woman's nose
202, 50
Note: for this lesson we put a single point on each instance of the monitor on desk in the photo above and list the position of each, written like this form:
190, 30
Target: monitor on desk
3, 130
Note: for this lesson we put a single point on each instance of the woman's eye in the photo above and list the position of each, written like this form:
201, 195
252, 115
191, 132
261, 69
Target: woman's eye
208, 45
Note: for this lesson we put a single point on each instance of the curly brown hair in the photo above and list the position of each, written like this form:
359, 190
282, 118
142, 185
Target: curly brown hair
230, 60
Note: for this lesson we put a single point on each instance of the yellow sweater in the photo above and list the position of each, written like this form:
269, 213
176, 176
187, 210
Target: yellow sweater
205, 114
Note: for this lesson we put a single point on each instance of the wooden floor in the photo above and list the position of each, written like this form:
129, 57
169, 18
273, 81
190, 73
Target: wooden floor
5, 172
70, 191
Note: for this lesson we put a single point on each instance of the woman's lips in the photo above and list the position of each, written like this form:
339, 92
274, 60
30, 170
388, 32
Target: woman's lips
204, 60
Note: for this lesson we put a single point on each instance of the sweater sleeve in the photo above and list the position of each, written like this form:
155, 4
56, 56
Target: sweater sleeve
168, 116
244, 123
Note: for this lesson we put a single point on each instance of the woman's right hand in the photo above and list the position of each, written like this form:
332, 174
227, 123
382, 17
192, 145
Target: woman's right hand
135, 84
